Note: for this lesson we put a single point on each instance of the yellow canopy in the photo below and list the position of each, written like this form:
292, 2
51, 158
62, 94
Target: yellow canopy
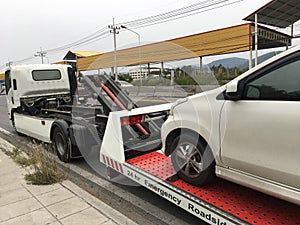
73, 54
228, 40
1, 75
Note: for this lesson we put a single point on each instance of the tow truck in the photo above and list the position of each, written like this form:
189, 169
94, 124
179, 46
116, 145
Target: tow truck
44, 103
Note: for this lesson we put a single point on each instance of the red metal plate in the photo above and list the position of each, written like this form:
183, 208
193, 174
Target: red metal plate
248, 205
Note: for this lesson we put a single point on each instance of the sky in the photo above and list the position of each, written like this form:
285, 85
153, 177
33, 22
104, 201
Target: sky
27, 26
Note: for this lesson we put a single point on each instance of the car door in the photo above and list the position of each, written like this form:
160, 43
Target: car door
261, 131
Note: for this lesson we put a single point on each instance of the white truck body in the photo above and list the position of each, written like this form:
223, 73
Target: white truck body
33, 126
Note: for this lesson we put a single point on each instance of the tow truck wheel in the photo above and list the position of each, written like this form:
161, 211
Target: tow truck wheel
193, 160
61, 144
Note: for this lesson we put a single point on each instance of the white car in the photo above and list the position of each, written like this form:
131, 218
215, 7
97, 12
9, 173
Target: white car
123, 83
247, 131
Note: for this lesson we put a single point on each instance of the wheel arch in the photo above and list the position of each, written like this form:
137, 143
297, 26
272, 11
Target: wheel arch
61, 124
176, 132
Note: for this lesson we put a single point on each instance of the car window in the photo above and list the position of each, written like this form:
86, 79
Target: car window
280, 84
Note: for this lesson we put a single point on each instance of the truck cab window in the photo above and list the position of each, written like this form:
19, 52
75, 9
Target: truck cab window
43, 75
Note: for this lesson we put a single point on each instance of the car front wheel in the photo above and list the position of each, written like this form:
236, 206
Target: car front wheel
193, 160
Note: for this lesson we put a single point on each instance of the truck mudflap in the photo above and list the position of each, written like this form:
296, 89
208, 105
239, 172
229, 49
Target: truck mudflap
219, 203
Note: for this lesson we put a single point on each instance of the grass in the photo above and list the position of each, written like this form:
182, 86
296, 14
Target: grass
40, 165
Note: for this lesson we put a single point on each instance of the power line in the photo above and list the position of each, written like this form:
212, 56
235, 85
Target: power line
94, 36
148, 21
183, 16
102, 32
172, 14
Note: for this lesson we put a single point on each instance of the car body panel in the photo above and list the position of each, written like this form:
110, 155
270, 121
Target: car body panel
258, 139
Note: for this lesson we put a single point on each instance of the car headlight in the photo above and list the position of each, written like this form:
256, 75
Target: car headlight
178, 102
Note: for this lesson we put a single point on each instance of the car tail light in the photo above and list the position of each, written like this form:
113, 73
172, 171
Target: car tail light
131, 120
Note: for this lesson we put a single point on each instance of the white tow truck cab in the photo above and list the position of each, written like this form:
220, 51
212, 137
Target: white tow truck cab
29, 87
33, 88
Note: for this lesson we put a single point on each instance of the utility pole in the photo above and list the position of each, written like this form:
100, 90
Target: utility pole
41, 54
115, 30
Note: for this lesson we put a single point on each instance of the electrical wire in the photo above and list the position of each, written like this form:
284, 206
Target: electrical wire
172, 13
176, 14
95, 36
183, 16
148, 21
89, 38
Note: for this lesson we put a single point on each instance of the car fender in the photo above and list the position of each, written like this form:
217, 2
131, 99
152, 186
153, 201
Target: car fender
199, 114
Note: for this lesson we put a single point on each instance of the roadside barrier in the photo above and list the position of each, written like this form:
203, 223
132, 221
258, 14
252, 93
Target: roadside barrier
175, 91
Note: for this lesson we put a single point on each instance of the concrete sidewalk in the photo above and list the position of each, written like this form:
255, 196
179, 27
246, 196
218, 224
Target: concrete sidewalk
61, 203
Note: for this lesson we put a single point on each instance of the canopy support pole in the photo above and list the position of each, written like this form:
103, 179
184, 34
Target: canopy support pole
201, 64
162, 68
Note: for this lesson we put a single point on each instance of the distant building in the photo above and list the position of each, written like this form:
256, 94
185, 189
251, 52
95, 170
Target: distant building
138, 73
144, 72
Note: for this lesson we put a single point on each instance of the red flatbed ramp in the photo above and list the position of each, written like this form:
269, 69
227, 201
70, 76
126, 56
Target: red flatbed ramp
246, 204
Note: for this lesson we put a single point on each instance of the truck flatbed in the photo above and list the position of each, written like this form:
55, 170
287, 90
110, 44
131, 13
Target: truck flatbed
220, 203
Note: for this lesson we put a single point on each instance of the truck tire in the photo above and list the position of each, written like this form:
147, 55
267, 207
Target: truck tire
61, 144
192, 159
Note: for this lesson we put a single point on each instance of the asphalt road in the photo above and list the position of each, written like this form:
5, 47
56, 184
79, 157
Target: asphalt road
144, 206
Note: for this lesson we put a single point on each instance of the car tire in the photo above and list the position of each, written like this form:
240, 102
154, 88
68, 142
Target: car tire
61, 144
193, 160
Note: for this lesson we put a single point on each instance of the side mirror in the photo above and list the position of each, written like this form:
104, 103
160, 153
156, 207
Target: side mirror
232, 91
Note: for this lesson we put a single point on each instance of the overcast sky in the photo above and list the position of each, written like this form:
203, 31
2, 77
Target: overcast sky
28, 25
